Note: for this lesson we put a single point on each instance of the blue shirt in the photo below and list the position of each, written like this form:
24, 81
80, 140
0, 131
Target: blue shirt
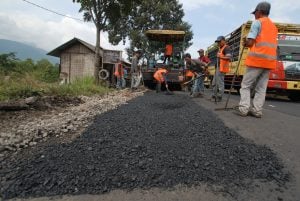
255, 29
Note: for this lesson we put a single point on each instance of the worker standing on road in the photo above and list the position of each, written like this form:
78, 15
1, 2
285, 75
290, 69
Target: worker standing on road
160, 77
168, 52
262, 40
205, 60
197, 67
134, 71
222, 67
119, 73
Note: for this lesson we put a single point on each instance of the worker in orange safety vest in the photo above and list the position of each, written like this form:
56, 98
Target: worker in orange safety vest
223, 63
262, 57
160, 78
119, 73
168, 52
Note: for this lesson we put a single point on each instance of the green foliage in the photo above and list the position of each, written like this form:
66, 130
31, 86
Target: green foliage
150, 14
103, 13
46, 71
27, 86
42, 70
7, 62
14, 87
25, 78
85, 86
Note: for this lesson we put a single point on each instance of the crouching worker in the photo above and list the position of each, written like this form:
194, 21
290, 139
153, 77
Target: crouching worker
119, 73
197, 67
160, 78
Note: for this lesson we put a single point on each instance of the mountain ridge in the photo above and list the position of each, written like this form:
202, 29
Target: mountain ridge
24, 51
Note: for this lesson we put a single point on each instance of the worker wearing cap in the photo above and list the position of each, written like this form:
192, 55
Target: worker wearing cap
134, 71
160, 77
261, 58
205, 60
223, 67
197, 67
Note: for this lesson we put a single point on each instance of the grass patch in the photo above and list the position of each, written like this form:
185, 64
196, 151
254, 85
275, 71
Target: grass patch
26, 86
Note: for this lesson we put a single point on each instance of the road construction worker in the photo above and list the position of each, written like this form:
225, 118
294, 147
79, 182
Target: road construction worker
160, 77
262, 41
197, 67
205, 60
168, 52
119, 73
222, 67
135, 71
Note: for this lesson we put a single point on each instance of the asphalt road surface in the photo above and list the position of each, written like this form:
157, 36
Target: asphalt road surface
278, 103
163, 147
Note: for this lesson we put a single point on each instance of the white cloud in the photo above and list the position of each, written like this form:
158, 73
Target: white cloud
47, 34
281, 10
194, 4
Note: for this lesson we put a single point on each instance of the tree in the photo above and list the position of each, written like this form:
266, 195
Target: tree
102, 13
8, 62
150, 14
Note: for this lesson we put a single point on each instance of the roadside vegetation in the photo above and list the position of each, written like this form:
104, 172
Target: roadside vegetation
21, 79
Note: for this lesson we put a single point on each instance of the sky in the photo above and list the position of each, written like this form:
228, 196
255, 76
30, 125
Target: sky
23, 22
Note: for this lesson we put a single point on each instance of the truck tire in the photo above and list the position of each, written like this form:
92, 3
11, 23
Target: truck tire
103, 74
294, 96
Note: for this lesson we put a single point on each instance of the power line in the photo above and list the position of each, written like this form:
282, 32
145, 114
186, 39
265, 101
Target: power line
57, 13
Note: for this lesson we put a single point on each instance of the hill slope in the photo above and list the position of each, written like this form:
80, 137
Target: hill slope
24, 51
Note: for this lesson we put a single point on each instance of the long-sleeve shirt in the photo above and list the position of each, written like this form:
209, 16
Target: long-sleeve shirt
196, 66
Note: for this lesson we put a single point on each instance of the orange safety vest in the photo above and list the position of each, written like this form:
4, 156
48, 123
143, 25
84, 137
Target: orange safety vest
189, 73
158, 75
169, 49
263, 53
224, 63
119, 70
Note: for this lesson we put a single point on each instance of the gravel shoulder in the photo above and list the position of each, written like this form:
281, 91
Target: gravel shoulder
62, 118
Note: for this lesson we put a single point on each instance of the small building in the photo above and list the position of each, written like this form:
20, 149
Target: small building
77, 59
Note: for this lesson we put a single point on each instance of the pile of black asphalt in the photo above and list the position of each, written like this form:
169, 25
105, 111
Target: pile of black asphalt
153, 141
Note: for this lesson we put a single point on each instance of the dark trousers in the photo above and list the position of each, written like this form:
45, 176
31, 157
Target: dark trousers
167, 57
158, 87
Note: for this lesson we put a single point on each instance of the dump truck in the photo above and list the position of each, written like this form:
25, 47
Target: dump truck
161, 38
285, 79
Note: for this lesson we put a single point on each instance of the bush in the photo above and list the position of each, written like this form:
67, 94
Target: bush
27, 86
85, 86
27, 78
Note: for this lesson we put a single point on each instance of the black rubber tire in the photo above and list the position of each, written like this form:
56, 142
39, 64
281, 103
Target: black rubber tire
103, 74
294, 96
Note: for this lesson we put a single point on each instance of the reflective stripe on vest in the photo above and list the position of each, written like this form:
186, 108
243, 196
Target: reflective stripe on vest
263, 54
158, 75
224, 63
266, 44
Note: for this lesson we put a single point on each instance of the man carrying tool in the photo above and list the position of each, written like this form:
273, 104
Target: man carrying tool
134, 71
197, 67
262, 41
119, 73
222, 67
205, 60
160, 78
